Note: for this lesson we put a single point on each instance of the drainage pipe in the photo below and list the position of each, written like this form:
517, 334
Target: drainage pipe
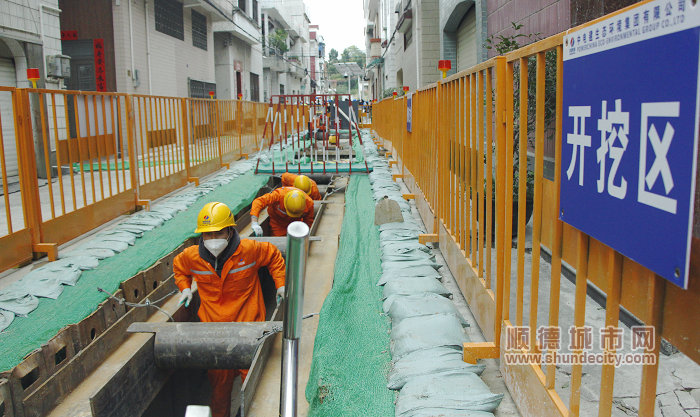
297, 244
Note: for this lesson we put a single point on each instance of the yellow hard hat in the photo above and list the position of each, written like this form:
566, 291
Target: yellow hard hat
303, 183
295, 203
213, 217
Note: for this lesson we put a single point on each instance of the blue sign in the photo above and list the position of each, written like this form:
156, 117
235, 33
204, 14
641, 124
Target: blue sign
409, 111
630, 133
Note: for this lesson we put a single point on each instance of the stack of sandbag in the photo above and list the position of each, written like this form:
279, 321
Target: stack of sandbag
47, 281
427, 333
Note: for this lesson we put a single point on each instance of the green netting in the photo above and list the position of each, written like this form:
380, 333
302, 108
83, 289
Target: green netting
28, 333
351, 351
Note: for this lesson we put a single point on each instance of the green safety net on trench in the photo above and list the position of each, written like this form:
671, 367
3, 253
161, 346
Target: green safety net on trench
351, 351
77, 302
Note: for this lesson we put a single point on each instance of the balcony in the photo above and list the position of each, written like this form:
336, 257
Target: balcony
242, 28
273, 60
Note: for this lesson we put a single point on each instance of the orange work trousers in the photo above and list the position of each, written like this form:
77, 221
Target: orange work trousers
221, 381
278, 225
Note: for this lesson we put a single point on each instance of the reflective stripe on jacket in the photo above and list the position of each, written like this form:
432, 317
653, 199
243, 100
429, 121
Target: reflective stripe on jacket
236, 295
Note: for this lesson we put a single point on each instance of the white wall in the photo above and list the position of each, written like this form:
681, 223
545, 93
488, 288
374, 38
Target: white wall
172, 61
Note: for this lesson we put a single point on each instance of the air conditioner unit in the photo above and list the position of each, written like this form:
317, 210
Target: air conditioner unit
58, 66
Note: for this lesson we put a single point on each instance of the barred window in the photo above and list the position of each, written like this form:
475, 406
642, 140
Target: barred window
169, 18
201, 89
199, 30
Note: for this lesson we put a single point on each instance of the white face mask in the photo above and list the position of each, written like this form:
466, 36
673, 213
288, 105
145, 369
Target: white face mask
216, 246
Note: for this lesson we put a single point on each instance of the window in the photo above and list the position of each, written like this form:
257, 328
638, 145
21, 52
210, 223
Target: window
201, 89
254, 87
407, 37
199, 30
169, 18
255, 11
241, 5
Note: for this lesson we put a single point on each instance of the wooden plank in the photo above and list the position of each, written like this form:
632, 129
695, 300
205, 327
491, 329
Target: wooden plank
480, 299
65, 380
134, 288
257, 367
19, 249
59, 350
113, 310
91, 327
162, 186
526, 385
130, 391
6, 407
73, 224
25, 379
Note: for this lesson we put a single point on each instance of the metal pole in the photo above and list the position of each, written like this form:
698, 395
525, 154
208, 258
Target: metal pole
297, 243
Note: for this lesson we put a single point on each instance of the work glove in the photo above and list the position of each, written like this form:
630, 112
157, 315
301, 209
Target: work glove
280, 294
257, 230
185, 297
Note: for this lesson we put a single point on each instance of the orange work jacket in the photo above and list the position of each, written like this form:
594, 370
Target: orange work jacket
279, 220
236, 295
288, 181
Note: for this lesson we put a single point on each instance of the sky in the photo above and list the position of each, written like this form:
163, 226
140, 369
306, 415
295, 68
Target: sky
341, 22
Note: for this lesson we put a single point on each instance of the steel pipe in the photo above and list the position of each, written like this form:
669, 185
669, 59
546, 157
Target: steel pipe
206, 345
297, 244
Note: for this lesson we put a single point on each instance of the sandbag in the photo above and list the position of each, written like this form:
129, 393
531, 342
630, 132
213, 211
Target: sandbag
428, 362
425, 332
398, 235
112, 245
409, 255
6, 318
17, 301
409, 264
83, 262
44, 285
414, 285
410, 271
118, 235
457, 390
398, 247
400, 307
444, 412
99, 253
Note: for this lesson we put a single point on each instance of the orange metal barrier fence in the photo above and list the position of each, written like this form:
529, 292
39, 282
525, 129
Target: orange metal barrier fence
487, 122
73, 160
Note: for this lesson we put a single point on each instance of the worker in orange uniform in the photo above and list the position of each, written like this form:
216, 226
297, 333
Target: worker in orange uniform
285, 205
303, 183
226, 271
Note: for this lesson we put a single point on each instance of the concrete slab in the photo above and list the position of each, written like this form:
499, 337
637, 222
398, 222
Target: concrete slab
318, 282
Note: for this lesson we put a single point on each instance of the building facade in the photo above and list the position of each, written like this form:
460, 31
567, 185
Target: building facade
30, 37
406, 38
287, 48
317, 61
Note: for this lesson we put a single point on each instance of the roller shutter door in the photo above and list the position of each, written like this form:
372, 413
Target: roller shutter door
8, 79
466, 41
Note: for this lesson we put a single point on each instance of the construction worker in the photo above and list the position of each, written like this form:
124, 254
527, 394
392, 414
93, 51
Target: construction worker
303, 183
225, 268
285, 205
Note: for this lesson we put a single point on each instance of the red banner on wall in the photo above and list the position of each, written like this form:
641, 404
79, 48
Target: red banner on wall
69, 35
100, 72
